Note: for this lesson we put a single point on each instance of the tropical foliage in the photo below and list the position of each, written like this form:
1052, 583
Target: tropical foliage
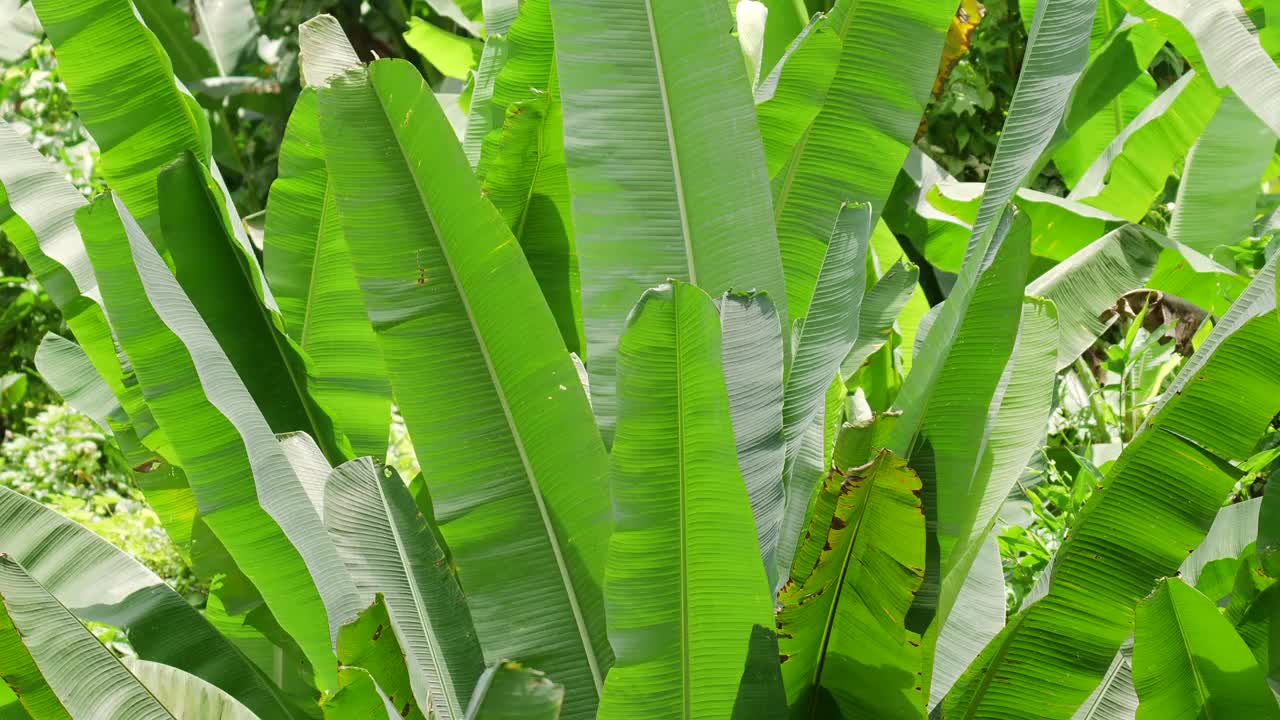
727, 398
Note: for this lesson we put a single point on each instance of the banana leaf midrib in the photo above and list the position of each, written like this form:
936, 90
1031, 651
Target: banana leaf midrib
668, 125
420, 606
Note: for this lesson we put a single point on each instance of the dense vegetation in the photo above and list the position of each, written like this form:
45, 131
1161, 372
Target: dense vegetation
663, 359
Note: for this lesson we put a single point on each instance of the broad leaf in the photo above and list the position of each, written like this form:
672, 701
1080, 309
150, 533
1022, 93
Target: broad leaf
99, 583
243, 484
1154, 507
1131, 173
367, 644
751, 353
1218, 190
127, 98
666, 168
522, 166
845, 649
510, 691
44, 231
184, 695
852, 150
791, 95
221, 280
883, 303
1216, 40
494, 407
1188, 660
829, 330
86, 678
681, 627
1112, 90
305, 258
1089, 282
388, 549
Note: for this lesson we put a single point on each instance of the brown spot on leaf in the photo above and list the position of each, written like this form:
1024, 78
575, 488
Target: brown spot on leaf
838, 523
377, 633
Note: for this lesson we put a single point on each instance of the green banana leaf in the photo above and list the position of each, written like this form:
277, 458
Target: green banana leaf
1212, 36
954, 420
306, 260
99, 583
358, 697
1057, 50
323, 50
1188, 660
853, 149
365, 643
243, 484
1219, 187
1059, 227
498, 15
1016, 431
184, 695
127, 98
228, 28
1089, 282
1056, 53
510, 691
1114, 698
752, 357
47, 644
522, 165
482, 114
826, 335
956, 373
880, 309
44, 231
1112, 90
389, 550
786, 20
976, 618
790, 96
1252, 602
66, 368
494, 408
1154, 507
172, 27
1131, 173
682, 627
220, 280
665, 165
845, 649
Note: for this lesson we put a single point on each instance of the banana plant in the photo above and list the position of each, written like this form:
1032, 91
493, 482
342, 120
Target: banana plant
694, 443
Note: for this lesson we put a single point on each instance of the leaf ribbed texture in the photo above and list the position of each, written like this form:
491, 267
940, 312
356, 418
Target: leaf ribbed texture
494, 407
666, 168
306, 261
245, 488
684, 583
99, 583
1187, 658
88, 680
127, 98
845, 649
1154, 507
388, 549
855, 146
510, 691
751, 353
